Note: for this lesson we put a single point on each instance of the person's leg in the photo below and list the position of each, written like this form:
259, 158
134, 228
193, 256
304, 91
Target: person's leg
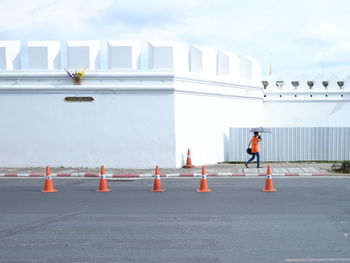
251, 159
258, 159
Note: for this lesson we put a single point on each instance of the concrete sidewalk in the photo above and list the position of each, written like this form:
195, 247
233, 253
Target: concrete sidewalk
227, 170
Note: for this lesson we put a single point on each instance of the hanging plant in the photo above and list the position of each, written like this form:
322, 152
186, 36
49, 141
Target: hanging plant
77, 77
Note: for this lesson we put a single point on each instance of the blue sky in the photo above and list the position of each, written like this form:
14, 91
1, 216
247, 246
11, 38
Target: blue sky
298, 36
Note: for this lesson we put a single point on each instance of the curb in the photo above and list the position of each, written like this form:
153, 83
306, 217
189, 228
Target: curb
91, 175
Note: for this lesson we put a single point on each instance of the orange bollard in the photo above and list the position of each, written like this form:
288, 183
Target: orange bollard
103, 181
203, 187
157, 185
188, 160
268, 182
48, 187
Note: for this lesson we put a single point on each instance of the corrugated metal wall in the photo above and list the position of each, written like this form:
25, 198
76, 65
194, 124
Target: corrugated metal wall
294, 144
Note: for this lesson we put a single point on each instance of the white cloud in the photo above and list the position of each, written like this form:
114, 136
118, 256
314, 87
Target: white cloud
253, 27
55, 16
337, 54
324, 32
326, 45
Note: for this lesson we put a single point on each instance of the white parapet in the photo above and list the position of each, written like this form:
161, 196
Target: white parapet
250, 70
303, 82
346, 83
228, 65
83, 54
203, 60
245, 65
167, 56
124, 55
287, 83
44, 55
318, 79
270, 82
333, 82
256, 71
10, 55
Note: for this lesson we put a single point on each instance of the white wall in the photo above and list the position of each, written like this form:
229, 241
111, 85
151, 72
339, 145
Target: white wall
307, 114
303, 106
139, 118
202, 120
117, 129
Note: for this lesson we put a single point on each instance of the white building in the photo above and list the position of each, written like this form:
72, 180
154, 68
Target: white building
129, 116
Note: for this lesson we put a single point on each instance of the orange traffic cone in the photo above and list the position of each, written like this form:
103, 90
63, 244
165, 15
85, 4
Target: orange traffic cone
103, 181
188, 160
157, 185
268, 183
203, 187
48, 187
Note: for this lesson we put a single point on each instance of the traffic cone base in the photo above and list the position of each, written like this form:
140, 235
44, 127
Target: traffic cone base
273, 190
188, 166
203, 186
269, 186
103, 186
157, 186
188, 161
49, 188
203, 191
268, 182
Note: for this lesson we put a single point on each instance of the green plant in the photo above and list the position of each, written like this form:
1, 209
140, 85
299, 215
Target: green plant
343, 167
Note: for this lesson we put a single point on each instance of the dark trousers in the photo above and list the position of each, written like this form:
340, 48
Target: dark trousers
257, 158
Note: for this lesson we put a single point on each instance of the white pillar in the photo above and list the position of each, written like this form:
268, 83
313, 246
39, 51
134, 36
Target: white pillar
228, 65
83, 54
250, 70
168, 56
245, 66
10, 55
44, 55
203, 60
124, 55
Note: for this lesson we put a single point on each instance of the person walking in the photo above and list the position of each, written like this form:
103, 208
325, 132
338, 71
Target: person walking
256, 139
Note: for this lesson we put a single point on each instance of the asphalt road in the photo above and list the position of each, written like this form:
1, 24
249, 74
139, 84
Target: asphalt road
306, 220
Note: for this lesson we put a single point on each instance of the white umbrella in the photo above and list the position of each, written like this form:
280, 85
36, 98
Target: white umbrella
260, 129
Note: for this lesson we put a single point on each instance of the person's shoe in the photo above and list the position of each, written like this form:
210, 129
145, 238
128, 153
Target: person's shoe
246, 165
259, 167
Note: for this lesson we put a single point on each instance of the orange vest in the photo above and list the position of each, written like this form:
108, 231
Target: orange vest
255, 144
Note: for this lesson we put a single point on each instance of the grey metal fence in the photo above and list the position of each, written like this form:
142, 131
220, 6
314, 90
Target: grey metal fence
294, 144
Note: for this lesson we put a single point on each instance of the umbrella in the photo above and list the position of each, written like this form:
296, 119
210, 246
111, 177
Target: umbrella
260, 129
